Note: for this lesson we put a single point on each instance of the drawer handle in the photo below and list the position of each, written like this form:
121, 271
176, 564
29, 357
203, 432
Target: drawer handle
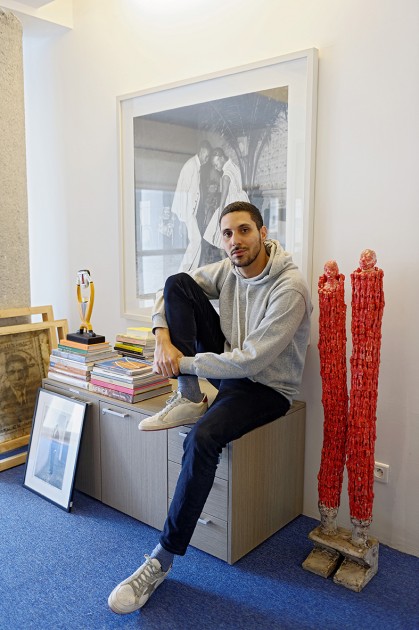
204, 521
115, 413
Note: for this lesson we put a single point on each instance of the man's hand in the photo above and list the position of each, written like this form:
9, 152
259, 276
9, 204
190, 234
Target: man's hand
166, 355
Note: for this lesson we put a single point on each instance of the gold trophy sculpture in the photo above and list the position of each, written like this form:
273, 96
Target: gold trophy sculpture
85, 335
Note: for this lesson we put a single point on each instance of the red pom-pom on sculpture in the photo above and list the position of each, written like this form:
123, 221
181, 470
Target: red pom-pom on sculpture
367, 314
332, 351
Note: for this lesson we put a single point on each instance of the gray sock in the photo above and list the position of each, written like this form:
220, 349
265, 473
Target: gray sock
188, 385
164, 557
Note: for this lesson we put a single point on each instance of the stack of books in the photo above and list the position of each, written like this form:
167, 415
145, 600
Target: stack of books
127, 379
136, 342
72, 362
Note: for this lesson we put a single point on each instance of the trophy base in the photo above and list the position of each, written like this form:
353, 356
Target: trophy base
86, 337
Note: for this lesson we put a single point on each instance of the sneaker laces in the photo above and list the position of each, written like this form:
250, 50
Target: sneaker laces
174, 400
147, 577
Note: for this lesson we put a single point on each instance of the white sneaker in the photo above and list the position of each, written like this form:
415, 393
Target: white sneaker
178, 411
135, 591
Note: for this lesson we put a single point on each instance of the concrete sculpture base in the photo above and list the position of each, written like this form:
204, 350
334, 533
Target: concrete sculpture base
352, 565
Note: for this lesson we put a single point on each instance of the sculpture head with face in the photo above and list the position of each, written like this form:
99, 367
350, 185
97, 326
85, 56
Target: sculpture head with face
367, 260
331, 271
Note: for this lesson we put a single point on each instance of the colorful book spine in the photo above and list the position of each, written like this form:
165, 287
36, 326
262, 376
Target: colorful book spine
123, 365
65, 348
68, 379
112, 393
83, 374
147, 357
126, 389
140, 332
83, 357
84, 346
133, 382
130, 339
67, 363
129, 346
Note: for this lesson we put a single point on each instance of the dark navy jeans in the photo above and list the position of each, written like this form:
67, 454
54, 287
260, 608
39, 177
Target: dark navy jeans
240, 406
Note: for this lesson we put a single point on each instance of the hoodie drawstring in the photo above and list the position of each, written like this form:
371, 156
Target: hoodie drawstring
239, 341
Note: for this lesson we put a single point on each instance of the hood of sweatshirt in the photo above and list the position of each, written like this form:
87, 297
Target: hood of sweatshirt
279, 262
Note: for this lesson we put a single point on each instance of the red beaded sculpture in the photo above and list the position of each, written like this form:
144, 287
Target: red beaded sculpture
349, 436
367, 313
332, 350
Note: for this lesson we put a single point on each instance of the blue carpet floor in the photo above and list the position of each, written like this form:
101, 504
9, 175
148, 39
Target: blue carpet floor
57, 569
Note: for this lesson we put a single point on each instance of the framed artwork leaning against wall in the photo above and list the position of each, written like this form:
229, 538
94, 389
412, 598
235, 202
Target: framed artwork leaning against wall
23, 364
25, 350
54, 447
254, 124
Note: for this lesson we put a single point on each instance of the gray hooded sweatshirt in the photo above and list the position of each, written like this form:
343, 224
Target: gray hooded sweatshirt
265, 321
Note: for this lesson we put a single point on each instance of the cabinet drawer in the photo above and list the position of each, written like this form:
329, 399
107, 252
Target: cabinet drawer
119, 413
210, 535
217, 501
175, 450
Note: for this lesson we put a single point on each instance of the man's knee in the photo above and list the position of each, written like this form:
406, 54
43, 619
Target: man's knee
201, 441
175, 286
174, 280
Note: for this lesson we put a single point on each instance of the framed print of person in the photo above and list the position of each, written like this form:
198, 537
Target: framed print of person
23, 365
192, 148
205, 156
25, 350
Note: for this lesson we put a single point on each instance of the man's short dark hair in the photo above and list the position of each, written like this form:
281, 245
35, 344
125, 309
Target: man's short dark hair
244, 206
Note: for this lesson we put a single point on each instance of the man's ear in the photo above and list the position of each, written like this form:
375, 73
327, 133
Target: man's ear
263, 232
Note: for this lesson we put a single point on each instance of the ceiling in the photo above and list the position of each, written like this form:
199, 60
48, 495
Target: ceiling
36, 4
41, 18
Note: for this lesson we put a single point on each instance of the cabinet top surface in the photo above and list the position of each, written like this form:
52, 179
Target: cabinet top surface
149, 406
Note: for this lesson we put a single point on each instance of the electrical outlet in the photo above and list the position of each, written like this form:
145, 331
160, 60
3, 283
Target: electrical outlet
381, 472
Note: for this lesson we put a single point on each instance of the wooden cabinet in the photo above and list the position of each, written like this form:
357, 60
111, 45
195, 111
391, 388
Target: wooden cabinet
258, 486
118, 464
134, 465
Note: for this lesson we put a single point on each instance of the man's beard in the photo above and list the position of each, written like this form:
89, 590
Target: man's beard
247, 262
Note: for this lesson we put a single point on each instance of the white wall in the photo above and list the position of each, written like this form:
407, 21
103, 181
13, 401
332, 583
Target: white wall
366, 186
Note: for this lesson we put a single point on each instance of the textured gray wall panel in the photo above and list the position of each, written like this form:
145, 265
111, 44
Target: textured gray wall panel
14, 239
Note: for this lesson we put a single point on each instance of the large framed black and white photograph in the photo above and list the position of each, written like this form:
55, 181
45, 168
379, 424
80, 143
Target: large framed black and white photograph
254, 124
54, 447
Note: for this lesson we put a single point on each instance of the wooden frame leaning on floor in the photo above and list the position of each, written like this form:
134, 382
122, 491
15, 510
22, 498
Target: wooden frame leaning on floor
25, 348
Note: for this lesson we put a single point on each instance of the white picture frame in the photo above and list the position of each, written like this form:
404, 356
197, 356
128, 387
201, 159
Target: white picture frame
54, 447
160, 129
